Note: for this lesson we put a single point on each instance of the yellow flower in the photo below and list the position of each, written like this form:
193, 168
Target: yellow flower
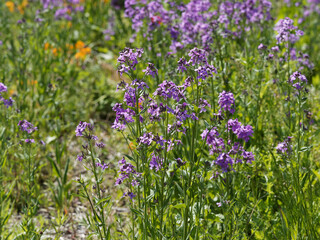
10, 6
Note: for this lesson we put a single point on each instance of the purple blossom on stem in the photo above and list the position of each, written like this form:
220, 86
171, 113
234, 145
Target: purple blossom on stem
197, 56
297, 80
225, 162
29, 140
126, 171
287, 32
226, 101
168, 89
128, 59
82, 127
25, 126
151, 70
284, 147
182, 65
3, 88
103, 166
146, 139
155, 162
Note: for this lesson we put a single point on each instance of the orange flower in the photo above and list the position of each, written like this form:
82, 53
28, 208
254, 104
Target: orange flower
22, 6
10, 6
69, 46
24, 3
80, 44
55, 51
11, 92
83, 53
131, 146
47, 46
33, 82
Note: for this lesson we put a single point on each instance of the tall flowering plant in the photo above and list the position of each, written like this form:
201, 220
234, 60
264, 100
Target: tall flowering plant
175, 139
96, 195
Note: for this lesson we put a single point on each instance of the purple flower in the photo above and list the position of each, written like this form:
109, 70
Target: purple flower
244, 132
297, 80
25, 126
225, 162
100, 144
80, 157
203, 104
287, 32
103, 166
226, 101
197, 56
205, 71
126, 171
284, 147
7, 102
262, 47
146, 139
168, 89
123, 117
29, 140
3, 88
128, 59
248, 156
82, 127
155, 162
213, 140
182, 65
151, 70
131, 195
180, 163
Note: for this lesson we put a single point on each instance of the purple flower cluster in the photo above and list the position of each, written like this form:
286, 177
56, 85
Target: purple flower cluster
242, 131
85, 130
63, 11
284, 147
169, 89
226, 101
6, 102
127, 171
236, 14
226, 159
196, 22
29, 128
197, 57
287, 32
213, 140
124, 114
156, 162
297, 80
128, 59
26, 126
81, 128
151, 70
146, 139
228, 152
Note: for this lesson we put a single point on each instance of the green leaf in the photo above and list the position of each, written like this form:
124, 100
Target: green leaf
180, 205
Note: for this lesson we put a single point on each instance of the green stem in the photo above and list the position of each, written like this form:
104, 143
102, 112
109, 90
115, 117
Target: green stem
98, 190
